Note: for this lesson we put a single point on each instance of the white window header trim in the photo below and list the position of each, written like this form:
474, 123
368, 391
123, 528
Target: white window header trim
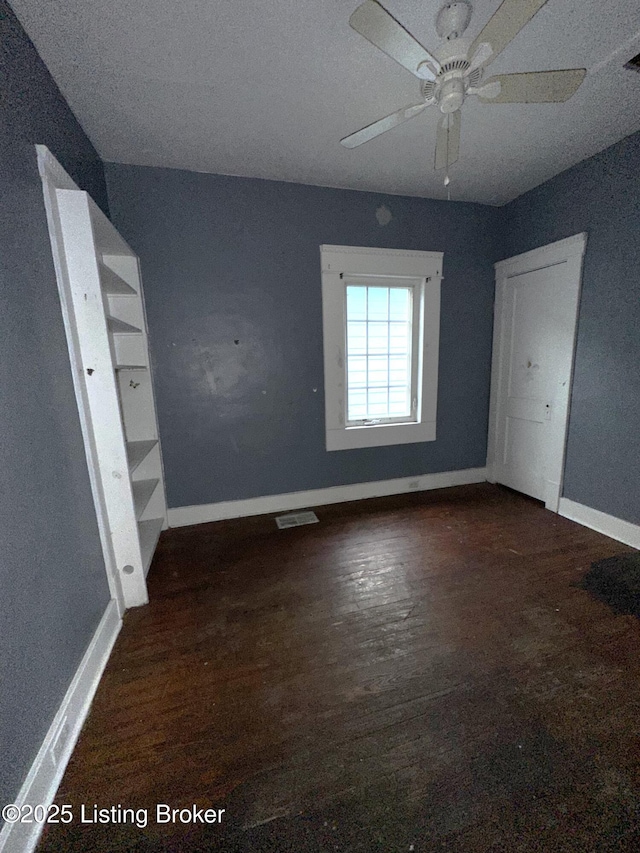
393, 263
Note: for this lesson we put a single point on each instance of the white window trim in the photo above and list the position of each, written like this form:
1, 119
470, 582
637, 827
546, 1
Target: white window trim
338, 263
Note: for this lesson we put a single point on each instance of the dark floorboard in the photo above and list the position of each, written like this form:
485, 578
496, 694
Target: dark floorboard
412, 673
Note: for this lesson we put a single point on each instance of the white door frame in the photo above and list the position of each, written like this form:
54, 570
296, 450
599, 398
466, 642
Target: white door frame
570, 253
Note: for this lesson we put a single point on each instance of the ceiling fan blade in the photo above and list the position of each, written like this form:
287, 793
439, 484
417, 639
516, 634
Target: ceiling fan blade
373, 22
510, 17
382, 125
447, 140
534, 87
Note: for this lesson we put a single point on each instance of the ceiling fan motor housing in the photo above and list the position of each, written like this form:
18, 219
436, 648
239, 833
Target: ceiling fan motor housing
451, 85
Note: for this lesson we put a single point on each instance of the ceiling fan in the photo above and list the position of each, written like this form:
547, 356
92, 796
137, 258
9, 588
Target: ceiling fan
456, 68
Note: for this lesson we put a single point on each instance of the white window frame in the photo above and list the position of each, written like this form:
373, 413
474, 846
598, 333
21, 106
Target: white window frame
342, 265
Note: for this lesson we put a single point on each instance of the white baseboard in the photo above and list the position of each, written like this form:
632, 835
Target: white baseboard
185, 515
616, 528
47, 770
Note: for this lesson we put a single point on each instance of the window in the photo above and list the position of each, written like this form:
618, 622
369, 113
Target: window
381, 353
381, 317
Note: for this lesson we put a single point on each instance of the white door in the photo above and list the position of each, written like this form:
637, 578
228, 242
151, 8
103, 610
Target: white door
537, 298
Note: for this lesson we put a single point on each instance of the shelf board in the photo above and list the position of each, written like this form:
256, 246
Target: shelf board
149, 534
139, 450
131, 367
119, 327
112, 283
142, 491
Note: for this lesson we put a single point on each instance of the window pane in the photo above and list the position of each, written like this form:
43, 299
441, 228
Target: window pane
399, 374
356, 302
357, 405
378, 303
378, 370
399, 337
357, 372
399, 300
378, 402
356, 338
379, 336
399, 402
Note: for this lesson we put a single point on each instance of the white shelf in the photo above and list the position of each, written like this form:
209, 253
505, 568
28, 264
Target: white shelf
112, 283
142, 491
149, 535
139, 450
119, 327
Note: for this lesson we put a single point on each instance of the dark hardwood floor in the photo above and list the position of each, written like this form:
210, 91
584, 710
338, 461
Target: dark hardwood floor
412, 673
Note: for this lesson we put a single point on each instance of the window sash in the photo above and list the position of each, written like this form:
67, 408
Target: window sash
415, 288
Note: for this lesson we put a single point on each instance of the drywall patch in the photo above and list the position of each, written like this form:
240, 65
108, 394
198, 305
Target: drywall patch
383, 215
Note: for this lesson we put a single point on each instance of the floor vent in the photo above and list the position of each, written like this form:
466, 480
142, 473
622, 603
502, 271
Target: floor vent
296, 519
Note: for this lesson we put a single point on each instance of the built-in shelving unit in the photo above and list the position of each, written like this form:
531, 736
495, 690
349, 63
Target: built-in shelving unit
142, 491
119, 327
149, 535
139, 450
111, 282
103, 307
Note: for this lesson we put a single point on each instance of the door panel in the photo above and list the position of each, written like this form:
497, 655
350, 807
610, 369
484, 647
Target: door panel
538, 321
533, 358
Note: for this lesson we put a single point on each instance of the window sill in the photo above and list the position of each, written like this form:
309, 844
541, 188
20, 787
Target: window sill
380, 435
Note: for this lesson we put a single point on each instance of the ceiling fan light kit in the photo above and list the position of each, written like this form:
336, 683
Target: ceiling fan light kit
455, 69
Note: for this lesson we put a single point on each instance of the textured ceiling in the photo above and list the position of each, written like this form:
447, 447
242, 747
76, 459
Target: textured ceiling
266, 88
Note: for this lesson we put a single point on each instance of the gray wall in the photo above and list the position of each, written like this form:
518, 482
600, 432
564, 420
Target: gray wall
53, 587
601, 196
234, 259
